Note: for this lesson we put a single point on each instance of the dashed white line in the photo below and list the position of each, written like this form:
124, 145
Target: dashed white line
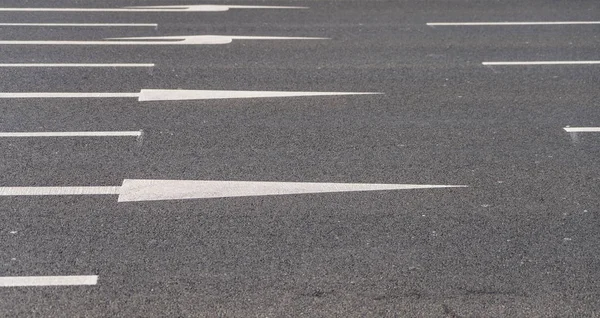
507, 23
72, 134
154, 25
35, 191
68, 95
77, 65
24, 281
169, 8
541, 63
582, 129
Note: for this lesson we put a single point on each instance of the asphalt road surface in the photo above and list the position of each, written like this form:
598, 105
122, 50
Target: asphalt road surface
521, 240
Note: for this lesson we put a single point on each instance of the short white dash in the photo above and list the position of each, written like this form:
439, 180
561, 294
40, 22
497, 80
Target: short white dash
154, 25
24, 281
34, 191
77, 65
542, 63
582, 129
73, 134
511, 23
68, 95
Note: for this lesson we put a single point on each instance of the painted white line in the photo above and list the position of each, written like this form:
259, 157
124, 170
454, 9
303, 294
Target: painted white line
542, 63
180, 94
24, 281
72, 134
76, 65
35, 191
511, 23
169, 8
163, 40
154, 25
152, 190
582, 129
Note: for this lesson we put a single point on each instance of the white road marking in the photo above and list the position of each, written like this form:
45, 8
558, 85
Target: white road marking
169, 8
162, 40
76, 65
23, 281
152, 190
511, 23
582, 129
154, 25
73, 134
180, 94
541, 63
35, 191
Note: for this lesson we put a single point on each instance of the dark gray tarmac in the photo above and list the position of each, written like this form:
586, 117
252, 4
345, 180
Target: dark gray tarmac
521, 241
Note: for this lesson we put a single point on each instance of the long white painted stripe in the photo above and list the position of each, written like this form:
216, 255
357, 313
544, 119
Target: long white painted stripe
170, 8
67, 95
542, 63
162, 40
511, 23
73, 134
34, 191
582, 129
76, 65
164, 94
151, 190
24, 281
82, 24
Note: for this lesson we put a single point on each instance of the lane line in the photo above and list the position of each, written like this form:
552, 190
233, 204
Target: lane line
154, 25
169, 8
72, 134
582, 129
511, 23
77, 65
23, 281
68, 95
542, 63
162, 40
35, 191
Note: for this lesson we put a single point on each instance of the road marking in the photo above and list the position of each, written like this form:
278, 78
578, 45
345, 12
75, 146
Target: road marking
134, 190
24, 281
154, 25
582, 129
72, 134
76, 65
511, 23
180, 94
541, 63
163, 40
169, 8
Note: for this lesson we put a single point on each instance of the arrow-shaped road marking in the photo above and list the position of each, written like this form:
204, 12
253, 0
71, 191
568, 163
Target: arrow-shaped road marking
134, 190
161, 40
180, 94
170, 8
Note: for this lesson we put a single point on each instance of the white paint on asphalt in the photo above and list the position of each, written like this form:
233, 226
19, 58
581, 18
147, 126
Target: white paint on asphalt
72, 134
43, 191
86, 25
169, 8
24, 281
152, 190
541, 63
179, 94
581, 129
166, 94
76, 65
160, 40
511, 23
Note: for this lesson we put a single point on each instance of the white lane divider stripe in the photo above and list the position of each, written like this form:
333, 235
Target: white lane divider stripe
24, 281
180, 94
77, 65
151, 190
169, 8
154, 25
506, 23
72, 134
582, 129
542, 63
